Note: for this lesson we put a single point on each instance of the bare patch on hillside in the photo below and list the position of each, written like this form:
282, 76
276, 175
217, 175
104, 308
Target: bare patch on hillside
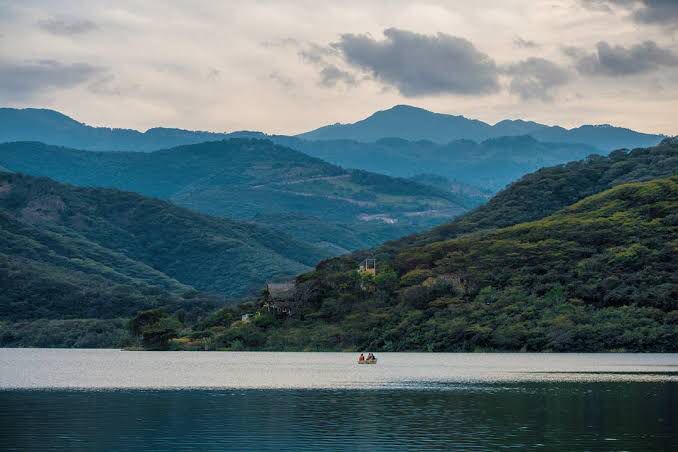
44, 209
5, 188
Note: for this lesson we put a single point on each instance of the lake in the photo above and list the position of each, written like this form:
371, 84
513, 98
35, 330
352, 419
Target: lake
116, 400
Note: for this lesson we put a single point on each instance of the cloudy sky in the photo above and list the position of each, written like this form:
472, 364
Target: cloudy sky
287, 67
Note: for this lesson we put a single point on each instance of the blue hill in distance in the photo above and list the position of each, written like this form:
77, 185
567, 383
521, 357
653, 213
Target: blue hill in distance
412, 123
402, 121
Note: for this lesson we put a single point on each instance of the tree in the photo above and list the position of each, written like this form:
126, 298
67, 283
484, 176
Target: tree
155, 328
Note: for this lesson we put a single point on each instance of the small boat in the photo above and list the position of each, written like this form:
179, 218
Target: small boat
368, 361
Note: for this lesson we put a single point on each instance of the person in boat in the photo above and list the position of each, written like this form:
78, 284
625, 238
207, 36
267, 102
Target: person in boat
370, 357
361, 358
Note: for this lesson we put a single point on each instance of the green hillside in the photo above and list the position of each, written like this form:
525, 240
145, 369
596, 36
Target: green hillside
76, 263
149, 239
47, 274
544, 192
599, 275
245, 179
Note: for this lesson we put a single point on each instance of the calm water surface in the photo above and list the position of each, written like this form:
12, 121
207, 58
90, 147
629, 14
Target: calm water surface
113, 400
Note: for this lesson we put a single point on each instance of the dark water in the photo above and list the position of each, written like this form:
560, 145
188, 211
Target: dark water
604, 402
531, 416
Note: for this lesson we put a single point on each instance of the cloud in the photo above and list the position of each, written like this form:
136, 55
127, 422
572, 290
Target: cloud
664, 12
325, 58
654, 12
524, 43
284, 81
213, 74
536, 78
602, 5
420, 65
317, 54
280, 43
331, 75
109, 85
64, 27
621, 61
22, 80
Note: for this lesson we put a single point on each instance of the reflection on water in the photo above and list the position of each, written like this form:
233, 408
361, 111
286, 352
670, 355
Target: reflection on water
277, 401
560, 416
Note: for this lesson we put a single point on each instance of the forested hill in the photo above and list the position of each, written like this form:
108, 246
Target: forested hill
256, 181
599, 275
130, 240
545, 191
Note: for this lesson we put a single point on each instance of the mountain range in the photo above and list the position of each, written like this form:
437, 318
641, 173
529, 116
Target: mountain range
411, 123
320, 204
402, 121
402, 141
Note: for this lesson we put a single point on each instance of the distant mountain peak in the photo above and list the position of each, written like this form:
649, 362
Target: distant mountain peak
414, 123
40, 114
404, 109
516, 121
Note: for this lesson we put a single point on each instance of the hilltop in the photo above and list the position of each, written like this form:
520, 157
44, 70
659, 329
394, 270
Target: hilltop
412, 123
53, 127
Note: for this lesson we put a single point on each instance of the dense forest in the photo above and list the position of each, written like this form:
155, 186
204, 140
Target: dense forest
571, 258
549, 189
142, 237
76, 262
599, 275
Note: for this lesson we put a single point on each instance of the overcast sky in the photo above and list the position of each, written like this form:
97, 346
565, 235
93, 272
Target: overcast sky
288, 67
